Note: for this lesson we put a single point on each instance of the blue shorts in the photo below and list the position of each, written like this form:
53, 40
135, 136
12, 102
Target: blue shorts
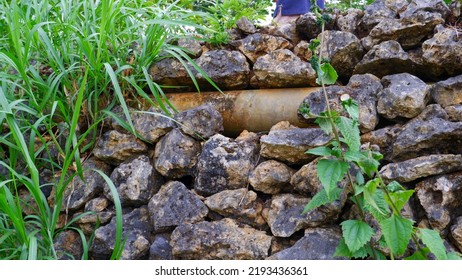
295, 7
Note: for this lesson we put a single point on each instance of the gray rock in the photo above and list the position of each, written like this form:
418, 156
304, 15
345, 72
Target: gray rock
454, 113
408, 31
228, 69
285, 215
287, 31
79, 191
432, 111
456, 233
350, 21
136, 231
302, 50
379, 11
384, 59
317, 244
308, 28
97, 211
246, 26
288, 143
444, 50
366, 88
176, 155
305, 181
434, 136
420, 167
174, 204
170, 72
160, 248
68, 245
434, 6
231, 160
256, 45
241, 205
271, 177
115, 147
343, 49
192, 46
383, 138
136, 181
422, 68
403, 96
441, 197
280, 69
448, 92
221, 240
152, 124
201, 122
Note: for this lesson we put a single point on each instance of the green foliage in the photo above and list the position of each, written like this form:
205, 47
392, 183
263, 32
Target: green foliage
374, 199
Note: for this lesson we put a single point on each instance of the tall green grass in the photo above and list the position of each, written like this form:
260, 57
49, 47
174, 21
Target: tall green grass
63, 65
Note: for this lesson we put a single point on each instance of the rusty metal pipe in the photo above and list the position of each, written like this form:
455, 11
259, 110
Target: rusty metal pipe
252, 110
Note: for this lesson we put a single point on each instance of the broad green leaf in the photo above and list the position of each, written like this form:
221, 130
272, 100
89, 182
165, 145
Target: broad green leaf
343, 251
321, 198
397, 233
454, 256
369, 194
399, 198
330, 172
327, 74
394, 186
434, 242
380, 210
419, 255
352, 108
354, 156
369, 166
350, 132
324, 122
356, 234
320, 151
359, 178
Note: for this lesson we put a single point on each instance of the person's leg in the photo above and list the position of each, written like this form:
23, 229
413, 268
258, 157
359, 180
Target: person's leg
290, 10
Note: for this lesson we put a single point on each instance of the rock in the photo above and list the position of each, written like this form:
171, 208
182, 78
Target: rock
366, 88
152, 124
287, 31
434, 136
409, 31
176, 155
432, 111
380, 10
80, 192
280, 69
456, 233
434, 6
423, 69
171, 72
228, 69
288, 143
101, 214
444, 50
317, 244
305, 181
193, 47
343, 49
383, 138
114, 147
420, 167
441, 197
201, 122
448, 92
174, 204
231, 160
308, 28
221, 240
384, 59
271, 177
403, 96
302, 50
285, 215
68, 245
246, 26
160, 248
136, 181
256, 45
350, 21
241, 205
136, 231
454, 113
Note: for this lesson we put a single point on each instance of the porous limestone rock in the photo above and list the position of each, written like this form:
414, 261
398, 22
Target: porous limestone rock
241, 205
68, 245
176, 154
174, 204
456, 232
434, 6
379, 11
193, 46
454, 113
98, 211
302, 50
256, 45
200, 122
115, 147
246, 26
152, 124
225, 164
220, 240
308, 27
350, 20
448, 92
136, 181
305, 181
171, 72
271, 177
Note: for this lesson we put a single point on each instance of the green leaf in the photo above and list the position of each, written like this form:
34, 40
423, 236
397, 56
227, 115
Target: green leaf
320, 151
369, 192
434, 242
342, 250
359, 178
350, 132
356, 234
330, 172
397, 233
454, 256
399, 198
368, 166
324, 122
419, 255
327, 74
380, 210
394, 186
352, 108
321, 198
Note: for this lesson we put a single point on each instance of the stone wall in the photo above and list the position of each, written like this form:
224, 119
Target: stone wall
189, 192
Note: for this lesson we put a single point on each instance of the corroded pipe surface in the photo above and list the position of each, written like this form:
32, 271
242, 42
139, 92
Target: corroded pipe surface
252, 110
